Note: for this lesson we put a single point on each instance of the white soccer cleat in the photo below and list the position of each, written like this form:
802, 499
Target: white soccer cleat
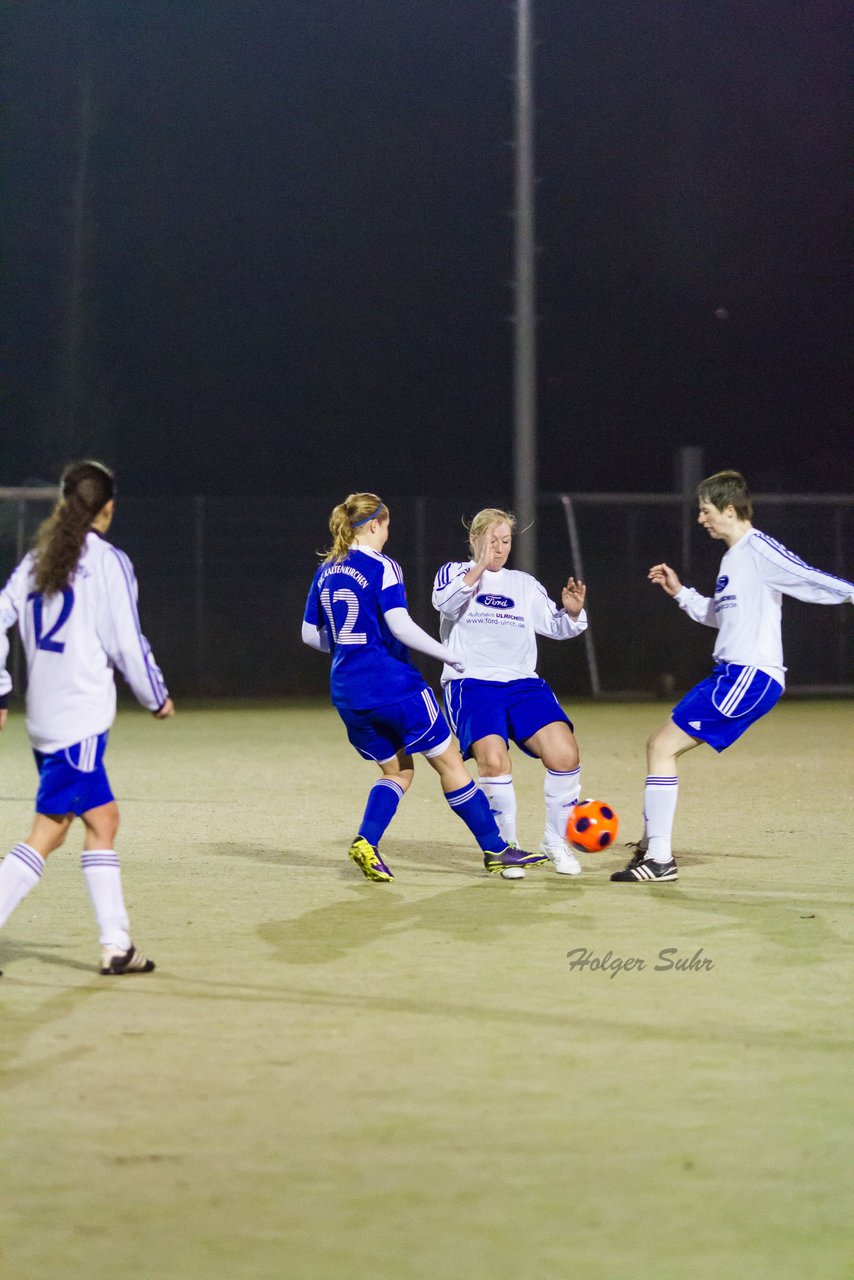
560, 854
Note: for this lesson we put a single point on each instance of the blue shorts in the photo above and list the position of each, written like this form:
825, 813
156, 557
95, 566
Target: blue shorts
721, 707
415, 724
512, 709
73, 780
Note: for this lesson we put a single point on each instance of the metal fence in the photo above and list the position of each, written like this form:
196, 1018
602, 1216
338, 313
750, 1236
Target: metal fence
223, 582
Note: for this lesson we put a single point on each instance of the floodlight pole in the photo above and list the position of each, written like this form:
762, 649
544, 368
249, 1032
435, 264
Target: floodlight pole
525, 355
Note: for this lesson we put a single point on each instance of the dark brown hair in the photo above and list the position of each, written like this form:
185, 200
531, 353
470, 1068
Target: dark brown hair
85, 488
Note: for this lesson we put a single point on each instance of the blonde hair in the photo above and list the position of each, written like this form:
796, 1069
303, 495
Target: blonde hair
357, 509
481, 522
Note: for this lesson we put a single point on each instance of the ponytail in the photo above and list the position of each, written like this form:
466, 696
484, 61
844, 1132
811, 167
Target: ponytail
359, 509
85, 489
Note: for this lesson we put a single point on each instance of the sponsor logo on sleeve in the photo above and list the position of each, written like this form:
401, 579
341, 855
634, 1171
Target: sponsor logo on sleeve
721, 584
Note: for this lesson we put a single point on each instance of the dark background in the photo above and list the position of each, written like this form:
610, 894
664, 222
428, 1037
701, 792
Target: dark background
285, 264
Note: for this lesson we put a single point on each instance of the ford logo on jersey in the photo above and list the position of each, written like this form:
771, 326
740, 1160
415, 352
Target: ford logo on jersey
496, 602
722, 583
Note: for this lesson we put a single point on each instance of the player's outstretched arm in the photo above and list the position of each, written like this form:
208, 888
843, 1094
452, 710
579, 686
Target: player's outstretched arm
405, 629
315, 637
663, 576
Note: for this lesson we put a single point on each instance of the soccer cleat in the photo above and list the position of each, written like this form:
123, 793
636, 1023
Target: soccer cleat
565, 862
512, 873
639, 851
643, 870
512, 858
114, 961
368, 858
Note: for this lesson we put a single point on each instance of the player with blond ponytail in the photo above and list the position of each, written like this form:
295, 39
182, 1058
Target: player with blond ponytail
74, 600
356, 609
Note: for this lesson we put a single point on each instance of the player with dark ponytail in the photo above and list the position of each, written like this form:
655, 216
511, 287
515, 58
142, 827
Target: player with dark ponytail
85, 489
74, 599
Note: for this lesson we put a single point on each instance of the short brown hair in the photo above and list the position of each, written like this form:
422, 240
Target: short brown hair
727, 489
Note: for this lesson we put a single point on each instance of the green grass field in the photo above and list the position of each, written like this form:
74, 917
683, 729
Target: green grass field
332, 1079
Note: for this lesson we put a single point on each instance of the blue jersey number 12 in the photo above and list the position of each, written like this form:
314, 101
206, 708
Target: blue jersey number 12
47, 641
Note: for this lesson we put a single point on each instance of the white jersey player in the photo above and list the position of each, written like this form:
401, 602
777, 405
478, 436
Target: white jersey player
491, 617
74, 599
749, 674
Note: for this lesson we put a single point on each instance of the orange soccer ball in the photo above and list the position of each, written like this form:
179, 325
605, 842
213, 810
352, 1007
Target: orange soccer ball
592, 826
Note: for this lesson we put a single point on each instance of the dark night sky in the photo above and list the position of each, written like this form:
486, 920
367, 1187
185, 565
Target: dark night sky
299, 245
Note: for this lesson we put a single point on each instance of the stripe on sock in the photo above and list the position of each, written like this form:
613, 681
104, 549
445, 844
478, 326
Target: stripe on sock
456, 798
98, 858
29, 857
391, 784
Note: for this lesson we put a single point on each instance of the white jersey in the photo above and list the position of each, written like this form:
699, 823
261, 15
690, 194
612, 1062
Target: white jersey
493, 625
73, 640
747, 604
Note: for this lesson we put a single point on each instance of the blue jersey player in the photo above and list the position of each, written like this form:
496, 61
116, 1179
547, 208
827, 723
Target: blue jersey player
748, 677
356, 609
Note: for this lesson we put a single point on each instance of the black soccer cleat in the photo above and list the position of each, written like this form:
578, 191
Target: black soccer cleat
643, 870
114, 961
639, 852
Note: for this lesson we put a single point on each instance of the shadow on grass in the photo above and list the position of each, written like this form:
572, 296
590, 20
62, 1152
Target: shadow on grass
475, 914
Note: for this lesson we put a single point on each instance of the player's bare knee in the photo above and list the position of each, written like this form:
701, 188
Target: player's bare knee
564, 759
493, 763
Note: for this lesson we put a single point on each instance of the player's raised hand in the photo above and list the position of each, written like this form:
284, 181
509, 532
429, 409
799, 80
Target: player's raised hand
573, 596
486, 548
483, 550
164, 712
663, 576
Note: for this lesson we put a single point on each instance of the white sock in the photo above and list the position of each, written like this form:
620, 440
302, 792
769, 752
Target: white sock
502, 801
104, 882
561, 795
659, 810
20, 871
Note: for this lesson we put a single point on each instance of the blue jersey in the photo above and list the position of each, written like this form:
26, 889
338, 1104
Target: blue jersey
348, 599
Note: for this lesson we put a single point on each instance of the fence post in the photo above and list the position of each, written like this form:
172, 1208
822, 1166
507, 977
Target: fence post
421, 556
578, 570
199, 587
20, 539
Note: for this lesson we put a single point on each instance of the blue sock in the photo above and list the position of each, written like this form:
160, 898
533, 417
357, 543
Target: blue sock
470, 804
383, 799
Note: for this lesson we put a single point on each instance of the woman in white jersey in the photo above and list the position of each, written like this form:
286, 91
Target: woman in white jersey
491, 617
356, 609
749, 675
74, 600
